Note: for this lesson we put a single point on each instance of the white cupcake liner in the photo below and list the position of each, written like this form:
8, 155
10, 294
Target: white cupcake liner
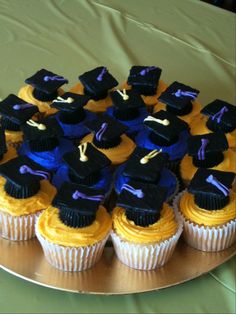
145, 256
18, 228
204, 238
71, 258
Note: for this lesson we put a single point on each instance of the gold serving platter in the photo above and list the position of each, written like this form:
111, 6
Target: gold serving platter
109, 276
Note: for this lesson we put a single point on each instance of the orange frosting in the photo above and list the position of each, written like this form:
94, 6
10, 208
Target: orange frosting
30, 205
198, 127
150, 100
14, 136
187, 168
26, 93
98, 106
161, 230
188, 117
118, 154
204, 217
54, 230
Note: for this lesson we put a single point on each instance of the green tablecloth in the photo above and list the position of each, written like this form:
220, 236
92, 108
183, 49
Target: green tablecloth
191, 41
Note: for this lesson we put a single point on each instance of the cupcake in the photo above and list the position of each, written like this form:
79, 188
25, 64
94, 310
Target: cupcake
43, 143
146, 80
85, 166
180, 100
129, 109
41, 89
15, 112
73, 231
6, 153
145, 230
207, 151
167, 132
24, 193
96, 83
108, 137
216, 116
72, 115
207, 210
149, 167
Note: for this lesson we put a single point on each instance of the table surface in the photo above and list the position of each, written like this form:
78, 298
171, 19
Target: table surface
192, 42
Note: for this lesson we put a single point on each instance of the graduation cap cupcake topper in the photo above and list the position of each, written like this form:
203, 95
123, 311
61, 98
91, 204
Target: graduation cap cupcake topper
85, 164
222, 116
97, 82
211, 188
15, 111
22, 177
144, 78
178, 98
43, 135
107, 131
165, 127
127, 104
207, 149
142, 202
46, 84
145, 165
77, 204
71, 107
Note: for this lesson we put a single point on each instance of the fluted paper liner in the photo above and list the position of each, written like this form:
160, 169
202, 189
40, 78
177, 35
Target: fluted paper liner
204, 238
71, 258
145, 256
18, 228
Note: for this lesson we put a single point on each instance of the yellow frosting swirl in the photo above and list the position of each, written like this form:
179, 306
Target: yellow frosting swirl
10, 154
26, 93
30, 205
97, 106
118, 154
150, 100
54, 230
188, 117
187, 168
205, 217
161, 230
198, 127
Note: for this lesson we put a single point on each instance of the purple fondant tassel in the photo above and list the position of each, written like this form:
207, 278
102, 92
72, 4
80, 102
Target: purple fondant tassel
212, 180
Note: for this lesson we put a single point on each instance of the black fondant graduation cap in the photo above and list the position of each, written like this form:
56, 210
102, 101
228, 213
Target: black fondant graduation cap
77, 204
222, 116
142, 202
107, 130
144, 78
145, 165
85, 162
22, 177
98, 81
15, 111
70, 102
211, 188
126, 103
126, 99
3, 146
42, 135
45, 84
71, 107
207, 149
165, 125
178, 98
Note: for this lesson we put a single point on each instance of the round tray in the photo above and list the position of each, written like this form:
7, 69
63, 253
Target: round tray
109, 276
